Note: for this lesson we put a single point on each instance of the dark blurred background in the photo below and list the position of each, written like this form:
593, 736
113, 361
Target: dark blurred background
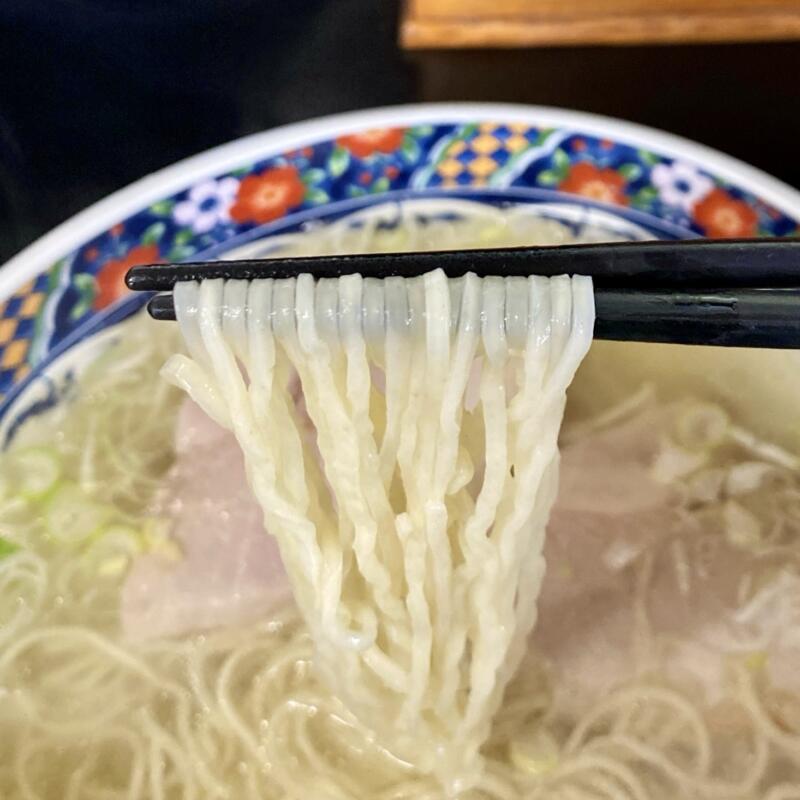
97, 93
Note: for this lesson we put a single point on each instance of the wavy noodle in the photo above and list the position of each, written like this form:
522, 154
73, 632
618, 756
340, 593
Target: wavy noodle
419, 637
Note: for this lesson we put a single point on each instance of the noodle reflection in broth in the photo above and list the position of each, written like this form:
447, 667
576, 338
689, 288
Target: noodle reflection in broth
407, 468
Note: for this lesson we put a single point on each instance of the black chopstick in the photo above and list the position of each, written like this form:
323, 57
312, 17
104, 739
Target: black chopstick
695, 263
735, 293
738, 318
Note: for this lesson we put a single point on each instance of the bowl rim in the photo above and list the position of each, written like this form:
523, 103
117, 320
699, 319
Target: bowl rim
98, 217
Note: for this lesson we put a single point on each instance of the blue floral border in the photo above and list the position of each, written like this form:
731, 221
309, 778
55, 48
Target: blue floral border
248, 201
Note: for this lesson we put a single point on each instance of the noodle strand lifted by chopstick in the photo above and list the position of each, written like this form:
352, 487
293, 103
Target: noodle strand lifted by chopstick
414, 546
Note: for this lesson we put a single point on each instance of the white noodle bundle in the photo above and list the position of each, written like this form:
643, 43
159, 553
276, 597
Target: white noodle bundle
411, 517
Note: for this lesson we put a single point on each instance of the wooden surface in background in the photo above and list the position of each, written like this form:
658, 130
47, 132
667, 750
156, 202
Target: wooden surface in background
522, 23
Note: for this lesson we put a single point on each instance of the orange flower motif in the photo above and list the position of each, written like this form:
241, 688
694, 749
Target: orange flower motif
723, 217
378, 140
262, 198
603, 185
110, 280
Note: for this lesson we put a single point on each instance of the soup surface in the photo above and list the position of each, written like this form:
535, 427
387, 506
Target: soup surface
150, 646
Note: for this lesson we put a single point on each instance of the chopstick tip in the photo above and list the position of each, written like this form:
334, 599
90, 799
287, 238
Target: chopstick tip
137, 278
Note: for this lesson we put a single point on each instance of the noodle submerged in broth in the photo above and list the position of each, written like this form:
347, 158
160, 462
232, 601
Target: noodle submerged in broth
407, 480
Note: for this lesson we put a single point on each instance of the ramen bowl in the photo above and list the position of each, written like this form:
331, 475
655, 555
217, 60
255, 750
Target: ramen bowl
62, 296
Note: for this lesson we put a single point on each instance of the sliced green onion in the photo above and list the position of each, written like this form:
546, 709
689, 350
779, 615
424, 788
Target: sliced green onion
7, 547
117, 539
73, 517
674, 463
756, 661
492, 232
537, 755
113, 549
113, 567
701, 426
35, 471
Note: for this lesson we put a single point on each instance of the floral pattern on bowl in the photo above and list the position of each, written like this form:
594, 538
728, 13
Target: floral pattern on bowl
531, 162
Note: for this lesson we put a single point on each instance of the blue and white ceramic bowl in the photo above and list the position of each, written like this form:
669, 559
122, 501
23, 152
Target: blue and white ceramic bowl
623, 180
